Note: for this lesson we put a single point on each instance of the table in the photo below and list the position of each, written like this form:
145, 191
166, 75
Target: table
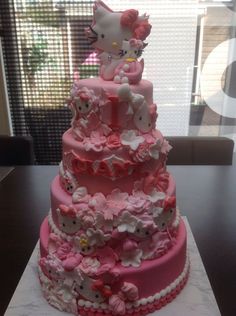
4, 171
205, 194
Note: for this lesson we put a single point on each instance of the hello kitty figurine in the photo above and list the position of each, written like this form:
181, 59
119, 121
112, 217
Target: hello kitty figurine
82, 102
68, 181
167, 215
108, 31
68, 219
130, 69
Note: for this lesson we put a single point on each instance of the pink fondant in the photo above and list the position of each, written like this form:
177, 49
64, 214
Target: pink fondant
144, 87
165, 269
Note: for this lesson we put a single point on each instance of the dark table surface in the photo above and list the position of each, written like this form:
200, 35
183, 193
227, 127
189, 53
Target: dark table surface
205, 194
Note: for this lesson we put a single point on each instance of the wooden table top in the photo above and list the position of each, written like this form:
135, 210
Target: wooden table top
205, 194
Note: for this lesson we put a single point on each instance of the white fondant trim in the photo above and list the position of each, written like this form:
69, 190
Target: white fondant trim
144, 301
177, 219
55, 229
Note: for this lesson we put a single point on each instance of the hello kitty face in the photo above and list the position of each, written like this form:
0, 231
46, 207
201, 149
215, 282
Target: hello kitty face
51, 267
68, 181
106, 32
83, 106
87, 291
164, 219
143, 230
68, 223
130, 52
83, 245
142, 118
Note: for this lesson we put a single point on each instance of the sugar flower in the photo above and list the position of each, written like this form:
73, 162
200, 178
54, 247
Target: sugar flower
131, 258
127, 223
130, 138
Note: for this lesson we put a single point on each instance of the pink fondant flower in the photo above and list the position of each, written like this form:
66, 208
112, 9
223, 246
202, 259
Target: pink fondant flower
137, 203
98, 202
63, 251
89, 266
117, 201
107, 258
105, 224
142, 153
149, 138
95, 142
71, 262
113, 141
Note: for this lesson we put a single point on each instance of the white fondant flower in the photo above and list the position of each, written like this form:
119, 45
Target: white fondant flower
166, 147
96, 237
130, 138
79, 193
155, 149
156, 196
127, 223
131, 258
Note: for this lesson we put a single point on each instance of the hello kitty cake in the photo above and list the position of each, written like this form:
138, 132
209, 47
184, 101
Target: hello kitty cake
113, 242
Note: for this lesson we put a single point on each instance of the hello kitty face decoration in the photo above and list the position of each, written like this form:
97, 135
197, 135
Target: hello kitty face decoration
68, 220
142, 118
144, 230
110, 28
68, 181
167, 215
83, 101
131, 49
87, 288
87, 242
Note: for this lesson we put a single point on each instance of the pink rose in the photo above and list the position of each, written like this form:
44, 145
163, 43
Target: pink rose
130, 291
113, 141
117, 305
142, 153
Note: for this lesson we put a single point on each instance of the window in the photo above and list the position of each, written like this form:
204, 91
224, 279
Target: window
44, 47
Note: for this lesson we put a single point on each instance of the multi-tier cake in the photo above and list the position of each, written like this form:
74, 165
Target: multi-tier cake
114, 242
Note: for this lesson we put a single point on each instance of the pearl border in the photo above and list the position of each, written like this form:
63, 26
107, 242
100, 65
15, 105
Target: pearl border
144, 301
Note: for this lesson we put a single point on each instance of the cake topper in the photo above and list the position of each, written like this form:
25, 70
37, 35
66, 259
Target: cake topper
110, 32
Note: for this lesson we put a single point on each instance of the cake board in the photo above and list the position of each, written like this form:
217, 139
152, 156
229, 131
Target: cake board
195, 299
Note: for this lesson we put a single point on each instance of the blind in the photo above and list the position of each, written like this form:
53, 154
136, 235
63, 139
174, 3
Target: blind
44, 45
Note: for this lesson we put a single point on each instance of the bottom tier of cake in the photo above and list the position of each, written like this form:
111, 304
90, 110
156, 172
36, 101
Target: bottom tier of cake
157, 282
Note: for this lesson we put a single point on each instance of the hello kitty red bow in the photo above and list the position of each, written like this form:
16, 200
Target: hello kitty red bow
169, 202
136, 43
98, 285
69, 211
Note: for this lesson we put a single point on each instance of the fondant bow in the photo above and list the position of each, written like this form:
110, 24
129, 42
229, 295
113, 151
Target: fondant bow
98, 285
67, 210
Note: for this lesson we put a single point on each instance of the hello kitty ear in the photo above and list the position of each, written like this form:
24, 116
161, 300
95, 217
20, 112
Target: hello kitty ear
100, 10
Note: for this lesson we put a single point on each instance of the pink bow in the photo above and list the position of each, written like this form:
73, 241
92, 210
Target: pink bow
67, 210
136, 43
99, 286
169, 202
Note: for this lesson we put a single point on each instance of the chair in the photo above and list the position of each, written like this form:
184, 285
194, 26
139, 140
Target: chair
16, 150
199, 150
